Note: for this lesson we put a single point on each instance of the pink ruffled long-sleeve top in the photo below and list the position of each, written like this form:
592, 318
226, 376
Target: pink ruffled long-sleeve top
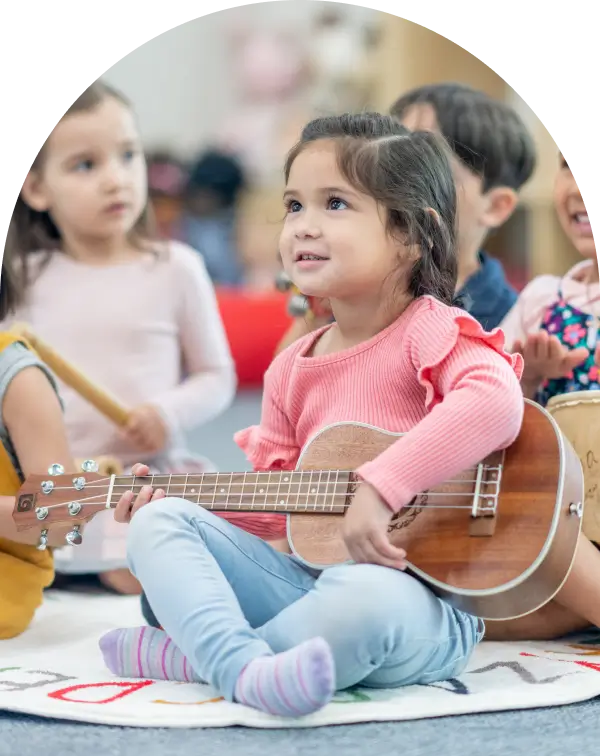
434, 375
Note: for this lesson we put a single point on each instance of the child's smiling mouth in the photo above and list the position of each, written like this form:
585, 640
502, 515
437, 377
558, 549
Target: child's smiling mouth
307, 260
581, 222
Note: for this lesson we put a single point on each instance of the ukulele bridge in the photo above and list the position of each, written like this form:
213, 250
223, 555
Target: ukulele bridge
485, 499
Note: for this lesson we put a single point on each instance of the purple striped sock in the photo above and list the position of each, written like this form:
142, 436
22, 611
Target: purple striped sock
145, 652
292, 684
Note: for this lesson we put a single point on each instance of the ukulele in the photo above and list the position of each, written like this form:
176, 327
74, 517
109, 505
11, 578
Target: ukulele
497, 541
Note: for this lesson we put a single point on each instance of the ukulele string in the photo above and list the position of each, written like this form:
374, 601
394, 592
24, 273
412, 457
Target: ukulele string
193, 490
247, 484
289, 508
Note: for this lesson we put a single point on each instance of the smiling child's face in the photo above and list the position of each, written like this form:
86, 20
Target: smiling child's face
571, 212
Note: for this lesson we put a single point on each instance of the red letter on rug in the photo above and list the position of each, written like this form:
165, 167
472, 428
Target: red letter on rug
128, 688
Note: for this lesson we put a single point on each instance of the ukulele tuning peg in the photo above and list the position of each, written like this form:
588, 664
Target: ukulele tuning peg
283, 282
47, 486
43, 542
298, 306
56, 469
74, 508
79, 484
90, 466
74, 537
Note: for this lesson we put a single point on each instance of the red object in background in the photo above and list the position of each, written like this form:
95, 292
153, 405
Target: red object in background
255, 323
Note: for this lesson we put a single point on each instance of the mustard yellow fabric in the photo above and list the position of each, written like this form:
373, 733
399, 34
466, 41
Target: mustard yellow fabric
24, 571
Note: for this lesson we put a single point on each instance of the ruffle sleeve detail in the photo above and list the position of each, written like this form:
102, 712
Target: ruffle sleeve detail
266, 453
435, 337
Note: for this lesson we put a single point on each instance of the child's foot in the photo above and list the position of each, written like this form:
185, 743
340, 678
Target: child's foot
292, 684
145, 652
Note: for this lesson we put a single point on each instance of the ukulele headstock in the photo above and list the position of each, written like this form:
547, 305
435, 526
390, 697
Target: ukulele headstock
57, 498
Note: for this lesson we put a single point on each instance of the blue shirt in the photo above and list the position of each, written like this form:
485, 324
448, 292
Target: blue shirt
487, 295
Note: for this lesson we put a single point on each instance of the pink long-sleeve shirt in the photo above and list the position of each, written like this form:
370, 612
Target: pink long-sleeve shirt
148, 331
434, 375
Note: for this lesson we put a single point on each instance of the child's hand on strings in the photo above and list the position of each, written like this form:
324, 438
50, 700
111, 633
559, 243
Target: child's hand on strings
146, 429
129, 504
546, 358
365, 531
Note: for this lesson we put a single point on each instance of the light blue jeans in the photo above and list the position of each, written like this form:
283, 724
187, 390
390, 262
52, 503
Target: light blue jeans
226, 597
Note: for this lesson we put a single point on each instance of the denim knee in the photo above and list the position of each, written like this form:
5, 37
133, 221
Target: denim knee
160, 518
371, 595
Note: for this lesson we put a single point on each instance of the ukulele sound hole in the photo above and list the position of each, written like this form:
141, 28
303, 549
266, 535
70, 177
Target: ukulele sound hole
408, 514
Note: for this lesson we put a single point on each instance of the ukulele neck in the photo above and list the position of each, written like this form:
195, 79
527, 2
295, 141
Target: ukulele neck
307, 491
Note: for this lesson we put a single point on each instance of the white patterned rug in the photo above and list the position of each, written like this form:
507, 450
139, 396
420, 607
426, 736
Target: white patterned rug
55, 670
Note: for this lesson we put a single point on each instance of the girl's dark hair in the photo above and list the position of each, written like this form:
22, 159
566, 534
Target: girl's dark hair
30, 231
409, 174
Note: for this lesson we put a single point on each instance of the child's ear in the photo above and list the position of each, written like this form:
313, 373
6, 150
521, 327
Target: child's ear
501, 203
33, 193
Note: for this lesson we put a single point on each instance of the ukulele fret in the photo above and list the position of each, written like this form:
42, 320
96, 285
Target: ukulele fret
289, 491
241, 494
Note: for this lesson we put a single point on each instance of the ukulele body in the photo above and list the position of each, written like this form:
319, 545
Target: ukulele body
498, 567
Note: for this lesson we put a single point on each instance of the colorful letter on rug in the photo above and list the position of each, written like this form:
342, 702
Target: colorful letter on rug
55, 670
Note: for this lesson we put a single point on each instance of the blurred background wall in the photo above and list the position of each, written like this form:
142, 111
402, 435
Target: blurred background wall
219, 102
186, 82
196, 84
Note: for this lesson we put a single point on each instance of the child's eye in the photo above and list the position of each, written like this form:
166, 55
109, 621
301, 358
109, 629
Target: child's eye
128, 155
293, 206
84, 165
335, 203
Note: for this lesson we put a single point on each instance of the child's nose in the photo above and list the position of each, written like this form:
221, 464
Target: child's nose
308, 226
308, 233
115, 176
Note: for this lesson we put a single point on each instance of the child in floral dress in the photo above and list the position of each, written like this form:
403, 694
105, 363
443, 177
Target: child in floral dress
555, 322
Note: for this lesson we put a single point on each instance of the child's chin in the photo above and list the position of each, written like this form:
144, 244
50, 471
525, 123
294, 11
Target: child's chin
586, 248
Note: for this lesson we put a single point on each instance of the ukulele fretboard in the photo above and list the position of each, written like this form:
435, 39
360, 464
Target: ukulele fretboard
293, 491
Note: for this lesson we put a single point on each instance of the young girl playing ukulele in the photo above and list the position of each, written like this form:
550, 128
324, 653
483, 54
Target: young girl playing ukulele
370, 226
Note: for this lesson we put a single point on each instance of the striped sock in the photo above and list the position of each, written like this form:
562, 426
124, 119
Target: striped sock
291, 684
145, 652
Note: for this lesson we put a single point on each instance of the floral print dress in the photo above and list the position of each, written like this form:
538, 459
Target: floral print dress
574, 328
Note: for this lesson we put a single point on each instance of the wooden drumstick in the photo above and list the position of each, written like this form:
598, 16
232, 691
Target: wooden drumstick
97, 397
